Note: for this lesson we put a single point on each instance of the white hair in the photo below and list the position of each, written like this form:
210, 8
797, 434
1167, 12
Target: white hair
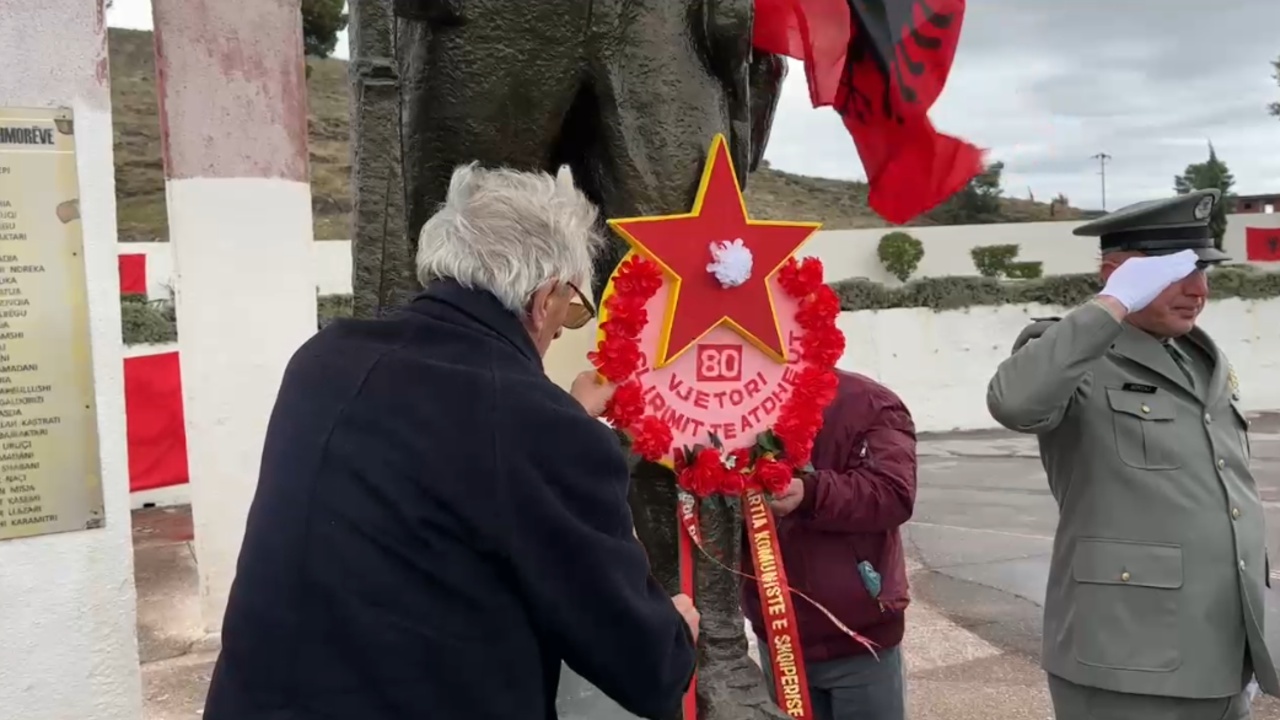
509, 232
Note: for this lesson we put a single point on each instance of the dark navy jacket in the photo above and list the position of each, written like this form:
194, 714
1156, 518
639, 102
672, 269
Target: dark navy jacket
436, 527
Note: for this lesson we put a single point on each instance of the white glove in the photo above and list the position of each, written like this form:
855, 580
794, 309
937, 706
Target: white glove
1139, 280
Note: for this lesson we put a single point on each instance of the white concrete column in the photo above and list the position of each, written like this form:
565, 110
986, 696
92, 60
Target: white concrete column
234, 125
67, 601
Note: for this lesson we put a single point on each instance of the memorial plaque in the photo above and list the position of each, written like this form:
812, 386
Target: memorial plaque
50, 476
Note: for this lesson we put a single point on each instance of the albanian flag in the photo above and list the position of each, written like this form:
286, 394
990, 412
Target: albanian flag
881, 64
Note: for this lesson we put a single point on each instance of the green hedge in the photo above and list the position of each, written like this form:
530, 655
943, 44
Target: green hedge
147, 322
153, 322
954, 292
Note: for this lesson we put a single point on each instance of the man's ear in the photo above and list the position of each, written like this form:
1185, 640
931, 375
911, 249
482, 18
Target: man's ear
540, 304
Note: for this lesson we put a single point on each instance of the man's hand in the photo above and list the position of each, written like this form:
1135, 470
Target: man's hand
592, 391
788, 500
684, 605
1139, 280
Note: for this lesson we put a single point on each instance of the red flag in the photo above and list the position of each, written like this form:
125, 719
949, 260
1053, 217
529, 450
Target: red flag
1262, 244
880, 64
133, 274
157, 434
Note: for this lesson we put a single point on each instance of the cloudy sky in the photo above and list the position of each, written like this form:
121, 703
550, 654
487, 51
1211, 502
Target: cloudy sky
1047, 84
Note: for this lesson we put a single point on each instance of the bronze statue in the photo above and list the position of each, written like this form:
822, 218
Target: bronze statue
629, 94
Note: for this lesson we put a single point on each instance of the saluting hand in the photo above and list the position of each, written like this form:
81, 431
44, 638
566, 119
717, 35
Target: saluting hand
1139, 280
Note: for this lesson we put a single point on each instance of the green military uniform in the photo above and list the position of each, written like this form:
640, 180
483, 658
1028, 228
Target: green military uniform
1154, 607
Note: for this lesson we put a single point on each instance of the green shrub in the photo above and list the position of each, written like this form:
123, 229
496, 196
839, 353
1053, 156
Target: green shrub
332, 307
1243, 281
992, 261
1024, 270
146, 322
900, 254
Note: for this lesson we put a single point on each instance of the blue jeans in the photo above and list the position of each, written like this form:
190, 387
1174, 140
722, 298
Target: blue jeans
858, 687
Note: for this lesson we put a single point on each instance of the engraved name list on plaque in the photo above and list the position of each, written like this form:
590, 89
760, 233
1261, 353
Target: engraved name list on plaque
50, 473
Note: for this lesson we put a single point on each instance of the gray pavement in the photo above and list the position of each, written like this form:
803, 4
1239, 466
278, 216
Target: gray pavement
978, 550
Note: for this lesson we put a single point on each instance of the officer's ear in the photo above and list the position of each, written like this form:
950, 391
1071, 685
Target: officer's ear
1111, 261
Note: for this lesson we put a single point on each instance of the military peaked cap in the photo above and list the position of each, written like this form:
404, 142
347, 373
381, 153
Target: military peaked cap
1160, 227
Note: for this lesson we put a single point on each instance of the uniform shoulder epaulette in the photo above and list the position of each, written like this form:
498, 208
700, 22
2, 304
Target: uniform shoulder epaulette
1037, 328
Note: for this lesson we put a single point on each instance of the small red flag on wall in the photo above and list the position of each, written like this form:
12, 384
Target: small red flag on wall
1262, 244
133, 274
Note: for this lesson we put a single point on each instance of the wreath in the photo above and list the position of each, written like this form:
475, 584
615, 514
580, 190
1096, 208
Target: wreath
778, 453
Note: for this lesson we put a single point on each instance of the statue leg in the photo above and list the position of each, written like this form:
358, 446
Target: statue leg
492, 83
667, 76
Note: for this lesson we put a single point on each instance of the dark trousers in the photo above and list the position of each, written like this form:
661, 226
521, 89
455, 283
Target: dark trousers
858, 687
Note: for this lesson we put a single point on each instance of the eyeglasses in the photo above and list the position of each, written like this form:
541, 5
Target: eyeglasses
580, 312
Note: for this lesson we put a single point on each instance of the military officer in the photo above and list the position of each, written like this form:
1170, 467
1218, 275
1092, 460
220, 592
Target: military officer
1154, 606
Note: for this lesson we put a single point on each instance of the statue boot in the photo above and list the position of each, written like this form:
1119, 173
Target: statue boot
730, 685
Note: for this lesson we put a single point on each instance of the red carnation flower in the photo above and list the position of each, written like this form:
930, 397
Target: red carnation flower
814, 388
637, 277
626, 406
705, 475
651, 438
739, 459
800, 278
626, 316
733, 483
822, 347
772, 476
617, 358
818, 310
797, 437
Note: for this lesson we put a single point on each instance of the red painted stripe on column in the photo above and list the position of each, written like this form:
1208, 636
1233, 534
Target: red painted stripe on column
232, 87
133, 274
156, 426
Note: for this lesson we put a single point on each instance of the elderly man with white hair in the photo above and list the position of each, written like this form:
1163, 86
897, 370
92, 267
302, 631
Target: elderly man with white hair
437, 525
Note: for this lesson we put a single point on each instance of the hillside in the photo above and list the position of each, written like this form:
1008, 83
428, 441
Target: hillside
771, 194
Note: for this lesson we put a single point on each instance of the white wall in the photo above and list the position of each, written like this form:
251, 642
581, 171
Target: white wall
939, 363
845, 253
68, 646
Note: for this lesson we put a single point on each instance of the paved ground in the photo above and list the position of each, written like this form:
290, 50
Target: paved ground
978, 548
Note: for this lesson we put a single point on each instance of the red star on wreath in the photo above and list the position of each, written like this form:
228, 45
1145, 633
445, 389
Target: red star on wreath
681, 246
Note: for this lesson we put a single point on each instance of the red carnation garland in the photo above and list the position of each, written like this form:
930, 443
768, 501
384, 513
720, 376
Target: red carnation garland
617, 358
778, 454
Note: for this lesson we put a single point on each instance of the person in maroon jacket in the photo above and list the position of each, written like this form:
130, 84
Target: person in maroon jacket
839, 532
